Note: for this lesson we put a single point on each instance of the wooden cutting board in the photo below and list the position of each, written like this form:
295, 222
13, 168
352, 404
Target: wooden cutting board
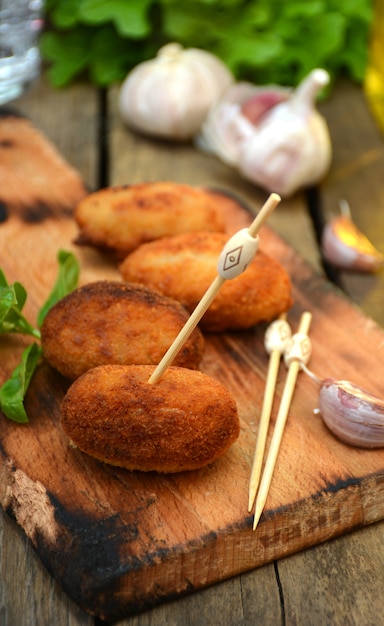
119, 542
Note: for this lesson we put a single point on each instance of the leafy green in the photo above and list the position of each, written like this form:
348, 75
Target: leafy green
13, 391
265, 41
66, 281
12, 300
69, 54
129, 18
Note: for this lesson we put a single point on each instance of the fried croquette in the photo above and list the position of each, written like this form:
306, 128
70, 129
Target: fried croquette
119, 219
183, 267
108, 322
183, 422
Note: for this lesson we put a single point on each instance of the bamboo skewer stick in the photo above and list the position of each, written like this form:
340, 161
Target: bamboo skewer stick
273, 368
268, 207
281, 419
210, 294
187, 329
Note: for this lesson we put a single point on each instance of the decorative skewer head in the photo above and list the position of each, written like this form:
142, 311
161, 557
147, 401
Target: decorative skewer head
298, 348
233, 260
277, 336
237, 253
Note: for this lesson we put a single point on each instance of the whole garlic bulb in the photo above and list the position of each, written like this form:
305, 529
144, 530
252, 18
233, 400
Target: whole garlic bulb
275, 138
230, 123
170, 95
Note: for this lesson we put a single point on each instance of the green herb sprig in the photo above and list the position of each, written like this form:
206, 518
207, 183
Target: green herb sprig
12, 300
264, 41
12, 320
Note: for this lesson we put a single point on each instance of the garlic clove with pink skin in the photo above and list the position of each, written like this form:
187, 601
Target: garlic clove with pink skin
276, 138
354, 415
230, 123
351, 413
169, 96
346, 247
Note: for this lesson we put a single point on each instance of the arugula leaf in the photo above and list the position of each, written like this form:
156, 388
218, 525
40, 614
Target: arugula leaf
12, 299
66, 282
12, 392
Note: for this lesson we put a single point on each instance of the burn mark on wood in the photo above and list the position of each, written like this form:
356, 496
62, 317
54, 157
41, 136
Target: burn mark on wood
35, 213
81, 552
87, 560
5, 143
3, 212
341, 483
91, 557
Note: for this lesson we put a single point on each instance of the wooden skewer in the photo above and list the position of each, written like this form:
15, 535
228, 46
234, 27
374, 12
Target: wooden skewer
209, 296
281, 419
273, 368
268, 207
187, 329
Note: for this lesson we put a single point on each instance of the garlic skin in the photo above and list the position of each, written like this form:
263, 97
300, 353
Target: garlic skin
169, 96
354, 415
346, 247
276, 138
231, 122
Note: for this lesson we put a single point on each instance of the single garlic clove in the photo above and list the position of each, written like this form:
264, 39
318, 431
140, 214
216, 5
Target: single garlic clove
345, 246
170, 96
354, 415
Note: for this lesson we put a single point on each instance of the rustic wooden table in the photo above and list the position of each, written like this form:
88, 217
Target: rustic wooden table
338, 582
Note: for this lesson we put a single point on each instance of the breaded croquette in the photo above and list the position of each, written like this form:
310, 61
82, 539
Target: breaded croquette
119, 219
183, 422
114, 322
183, 267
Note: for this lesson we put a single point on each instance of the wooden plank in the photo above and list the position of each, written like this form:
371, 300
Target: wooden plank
342, 580
236, 601
69, 118
309, 278
134, 158
337, 582
28, 593
357, 176
190, 530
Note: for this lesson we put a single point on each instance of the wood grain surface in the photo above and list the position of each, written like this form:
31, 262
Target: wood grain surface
356, 176
337, 582
120, 542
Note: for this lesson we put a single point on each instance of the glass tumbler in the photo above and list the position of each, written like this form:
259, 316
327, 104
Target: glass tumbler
21, 22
